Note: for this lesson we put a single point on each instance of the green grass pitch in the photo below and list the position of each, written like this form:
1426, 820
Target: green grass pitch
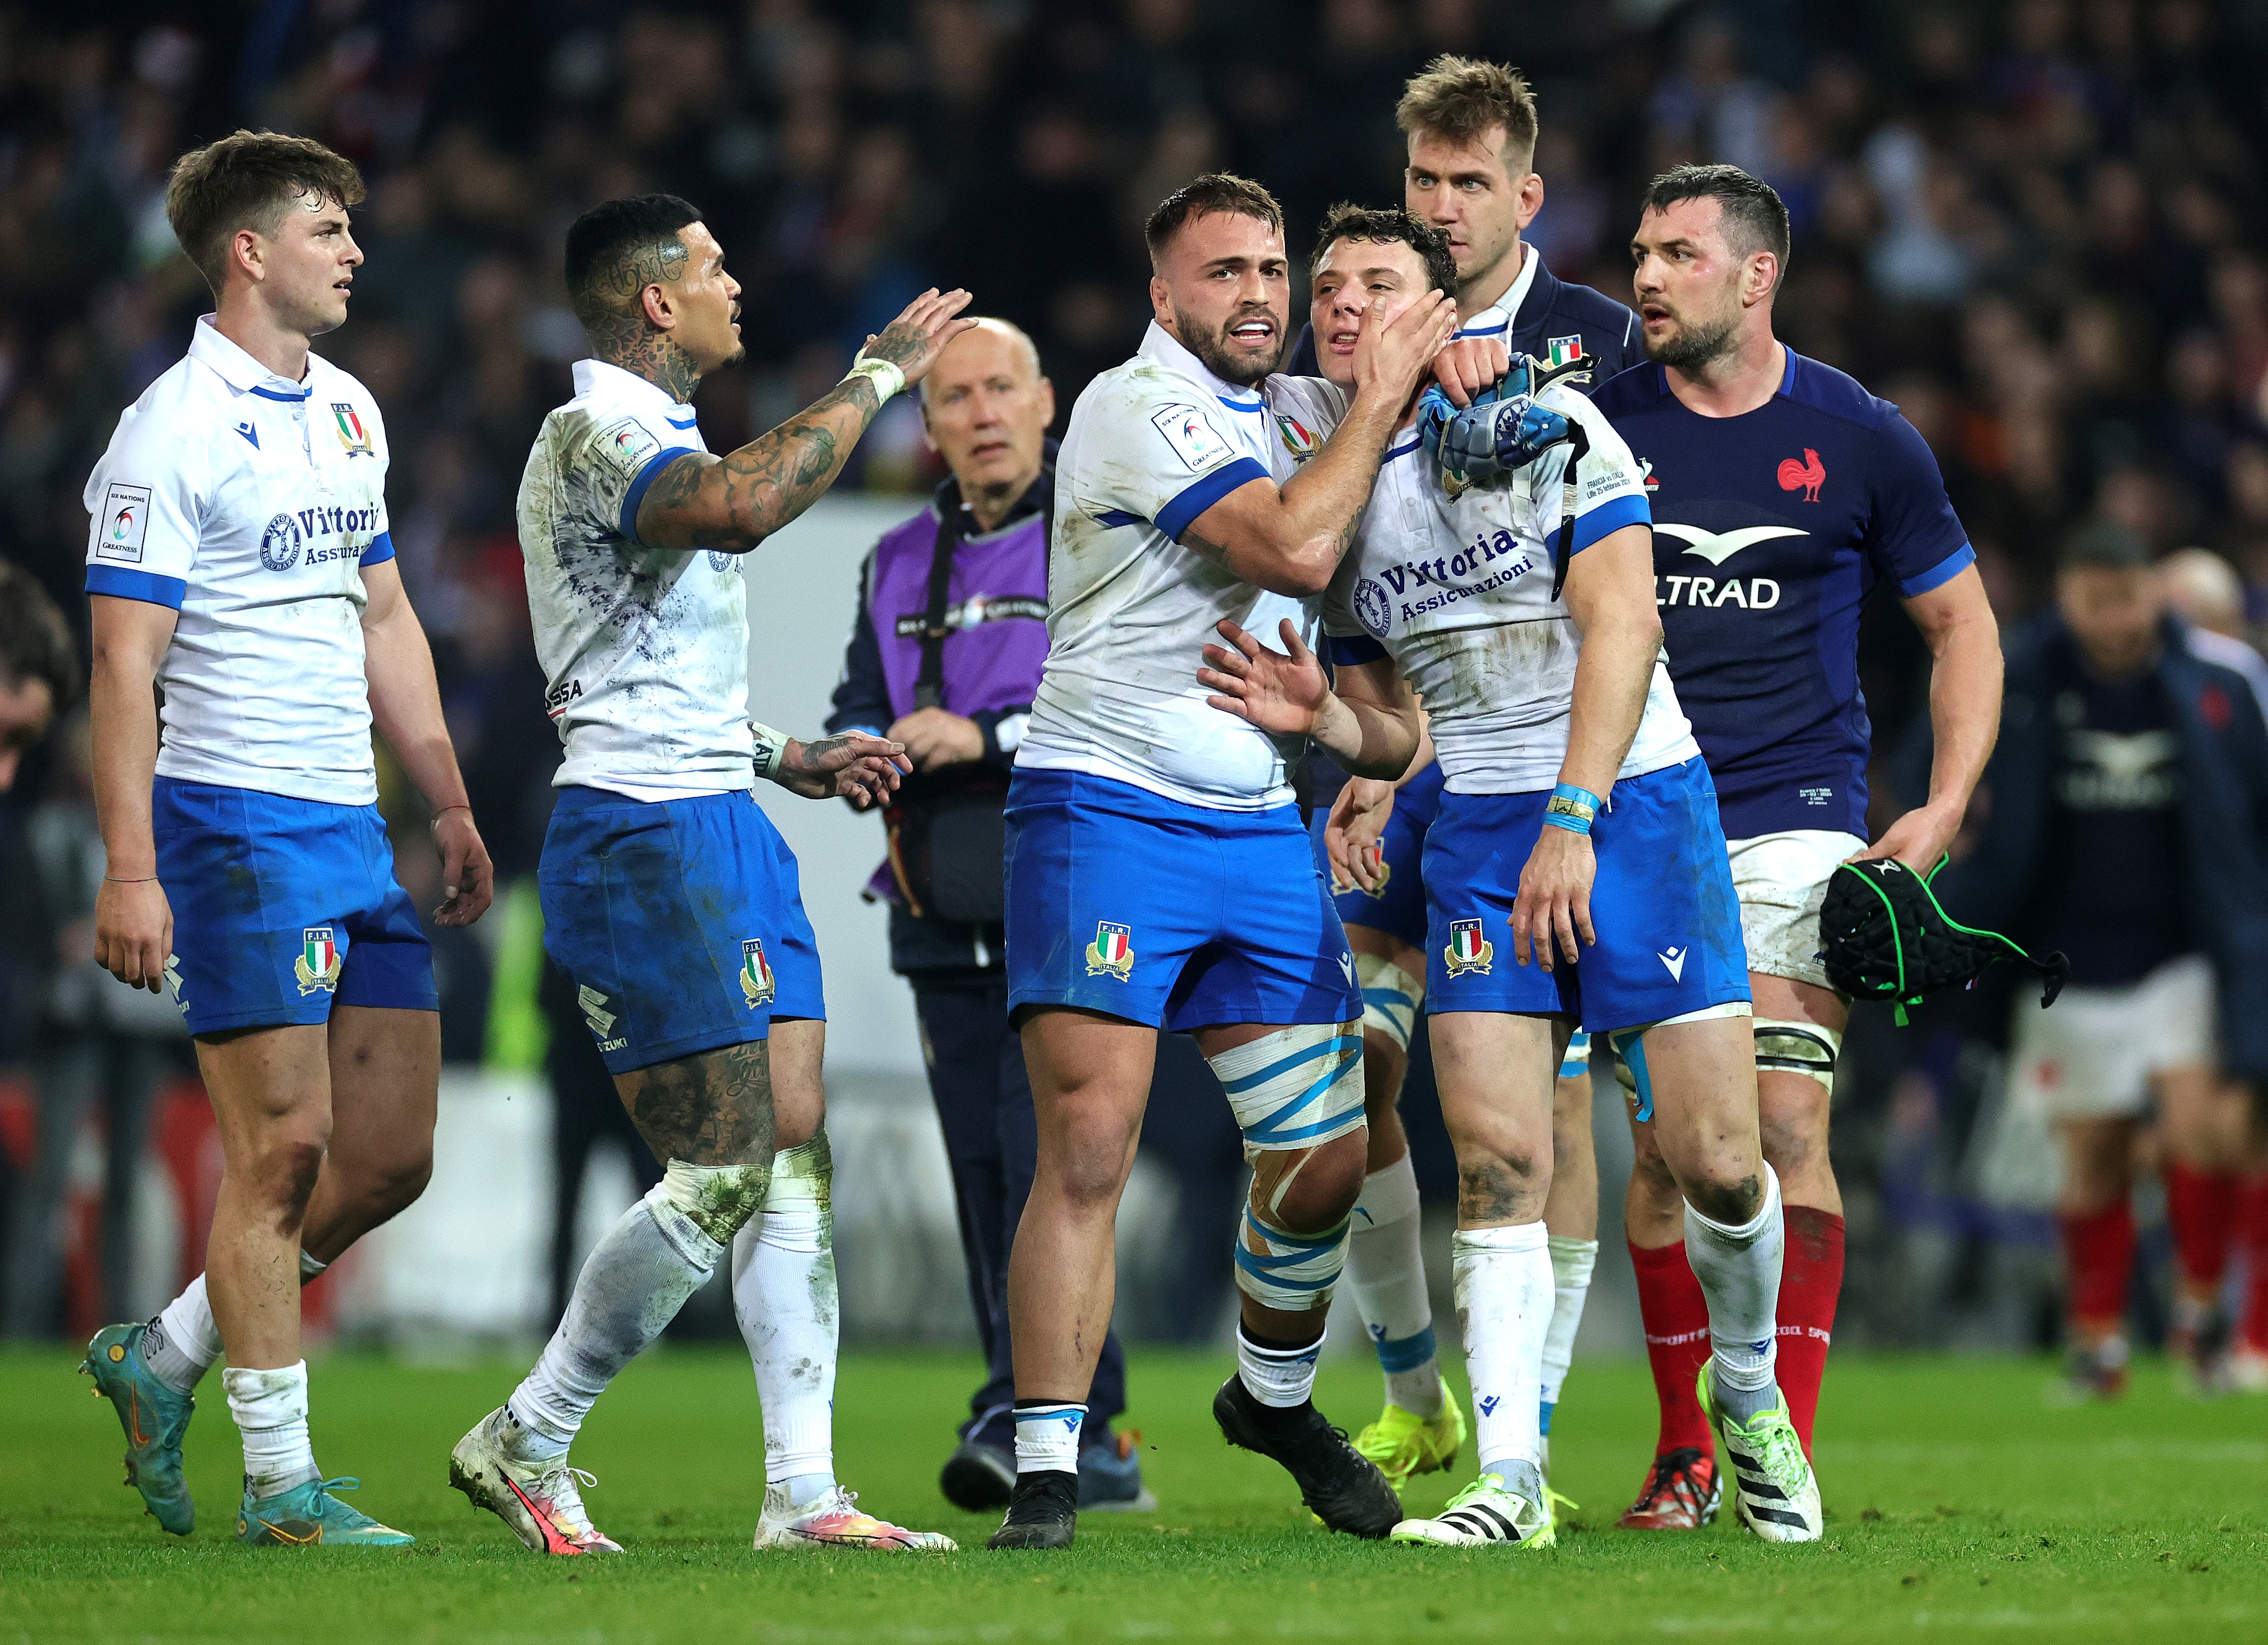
1958, 1506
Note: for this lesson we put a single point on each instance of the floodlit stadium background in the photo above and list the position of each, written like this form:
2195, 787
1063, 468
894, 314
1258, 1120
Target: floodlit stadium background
2035, 226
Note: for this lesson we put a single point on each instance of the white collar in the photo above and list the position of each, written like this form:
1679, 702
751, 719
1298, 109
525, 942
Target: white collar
1503, 313
598, 377
1161, 345
238, 370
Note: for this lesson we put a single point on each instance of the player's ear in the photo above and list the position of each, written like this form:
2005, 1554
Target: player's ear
246, 254
660, 313
1763, 276
1161, 302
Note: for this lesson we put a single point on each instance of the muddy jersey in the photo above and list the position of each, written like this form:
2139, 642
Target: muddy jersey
644, 650
1151, 445
1454, 581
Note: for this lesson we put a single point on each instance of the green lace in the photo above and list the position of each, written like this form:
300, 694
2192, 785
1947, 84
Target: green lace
1772, 1437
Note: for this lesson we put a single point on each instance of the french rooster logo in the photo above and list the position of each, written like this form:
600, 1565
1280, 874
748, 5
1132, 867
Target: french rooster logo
1806, 476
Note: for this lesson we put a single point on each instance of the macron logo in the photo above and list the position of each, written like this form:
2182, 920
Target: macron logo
1675, 960
1346, 964
1488, 1405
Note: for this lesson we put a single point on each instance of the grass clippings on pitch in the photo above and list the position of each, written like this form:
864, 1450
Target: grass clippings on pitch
1960, 1505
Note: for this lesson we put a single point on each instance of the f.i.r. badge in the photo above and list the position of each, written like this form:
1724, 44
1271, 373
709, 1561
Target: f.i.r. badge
1112, 951
1469, 950
319, 961
757, 984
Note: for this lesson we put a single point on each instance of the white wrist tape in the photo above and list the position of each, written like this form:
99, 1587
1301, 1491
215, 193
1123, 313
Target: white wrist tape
888, 379
771, 748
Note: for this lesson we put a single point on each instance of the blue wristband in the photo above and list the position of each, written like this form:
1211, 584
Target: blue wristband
1572, 809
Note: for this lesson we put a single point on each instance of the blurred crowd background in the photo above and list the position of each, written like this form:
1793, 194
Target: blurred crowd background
2037, 226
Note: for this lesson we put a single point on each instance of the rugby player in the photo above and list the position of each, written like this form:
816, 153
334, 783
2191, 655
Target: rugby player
240, 559
668, 899
1159, 875
1470, 128
1783, 493
1609, 888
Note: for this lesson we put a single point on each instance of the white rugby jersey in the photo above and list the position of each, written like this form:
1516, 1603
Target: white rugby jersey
644, 650
1151, 445
249, 504
1457, 589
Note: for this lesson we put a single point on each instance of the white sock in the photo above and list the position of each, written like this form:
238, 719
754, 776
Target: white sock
1281, 1377
1739, 1269
634, 1280
1046, 1437
1387, 1273
1503, 1279
182, 1342
270, 1408
1572, 1261
784, 1296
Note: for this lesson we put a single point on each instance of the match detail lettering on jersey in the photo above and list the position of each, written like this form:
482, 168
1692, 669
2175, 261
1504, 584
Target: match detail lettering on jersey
1192, 436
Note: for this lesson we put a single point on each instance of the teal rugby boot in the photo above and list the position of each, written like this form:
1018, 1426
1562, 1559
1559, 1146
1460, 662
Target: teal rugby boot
153, 1414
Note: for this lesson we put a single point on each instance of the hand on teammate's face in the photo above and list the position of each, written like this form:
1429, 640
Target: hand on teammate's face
1466, 365
935, 737
1552, 913
1282, 692
913, 341
467, 876
1395, 357
1352, 833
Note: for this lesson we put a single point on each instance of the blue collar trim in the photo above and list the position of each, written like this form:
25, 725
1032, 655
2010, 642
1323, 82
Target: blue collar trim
274, 394
1255, 406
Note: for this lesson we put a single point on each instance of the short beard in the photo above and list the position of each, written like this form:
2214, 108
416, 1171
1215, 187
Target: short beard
1693, 347
1211, 348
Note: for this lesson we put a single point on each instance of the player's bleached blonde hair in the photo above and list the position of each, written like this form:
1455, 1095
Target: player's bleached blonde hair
1462, 99
248, 180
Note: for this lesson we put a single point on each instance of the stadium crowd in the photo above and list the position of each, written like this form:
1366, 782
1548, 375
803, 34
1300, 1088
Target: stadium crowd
2032, 225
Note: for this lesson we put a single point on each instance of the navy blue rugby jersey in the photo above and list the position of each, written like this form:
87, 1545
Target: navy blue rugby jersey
1769, 531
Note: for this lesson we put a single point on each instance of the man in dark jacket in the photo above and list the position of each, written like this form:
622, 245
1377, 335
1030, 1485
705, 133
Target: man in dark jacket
946, 654
2126, 823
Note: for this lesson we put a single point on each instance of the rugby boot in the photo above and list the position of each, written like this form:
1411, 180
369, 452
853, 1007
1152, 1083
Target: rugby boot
2092, 1375
1042, 1514
1343, 1487
1774, 1492
155, 1417
1485, 1515
1403, 1443
835, 1520
1110, 1477
309, 1515
1681, 1493
978, 1478
542, 1501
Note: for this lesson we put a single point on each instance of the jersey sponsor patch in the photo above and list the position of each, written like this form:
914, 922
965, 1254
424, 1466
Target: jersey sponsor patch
1192, 436
125, 523
1717, 547
1374, 606
624, 445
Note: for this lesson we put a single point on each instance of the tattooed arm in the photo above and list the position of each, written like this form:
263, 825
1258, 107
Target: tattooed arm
1291, 540
735, 502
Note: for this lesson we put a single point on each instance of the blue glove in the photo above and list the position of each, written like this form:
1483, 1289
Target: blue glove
1436, 411
1506, 435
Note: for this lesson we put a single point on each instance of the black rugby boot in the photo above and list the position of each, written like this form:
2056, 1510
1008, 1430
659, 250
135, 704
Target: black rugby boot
1343, 1487
1044, 1512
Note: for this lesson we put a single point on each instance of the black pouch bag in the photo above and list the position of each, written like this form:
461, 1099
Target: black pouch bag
948, 830
1887, 937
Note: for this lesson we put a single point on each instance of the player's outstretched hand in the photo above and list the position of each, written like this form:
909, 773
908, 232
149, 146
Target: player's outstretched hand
913, 341
1392, 359
467, 876
1279, 692
1918, 839
134, 931
1467, 368
1553, 910
938, 737
863, 770
1353, 831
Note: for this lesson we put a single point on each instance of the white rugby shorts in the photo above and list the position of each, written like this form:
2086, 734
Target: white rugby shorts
1781, 880
2094, 1055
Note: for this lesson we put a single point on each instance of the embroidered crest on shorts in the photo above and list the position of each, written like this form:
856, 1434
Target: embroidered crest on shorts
757, 985
1111, 951
1469, 950
319, 961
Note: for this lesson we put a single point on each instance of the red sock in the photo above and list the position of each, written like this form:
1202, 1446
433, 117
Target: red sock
2252, 1229
2098, 1250
1677, 1316
2201, 1211
1810, 1284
